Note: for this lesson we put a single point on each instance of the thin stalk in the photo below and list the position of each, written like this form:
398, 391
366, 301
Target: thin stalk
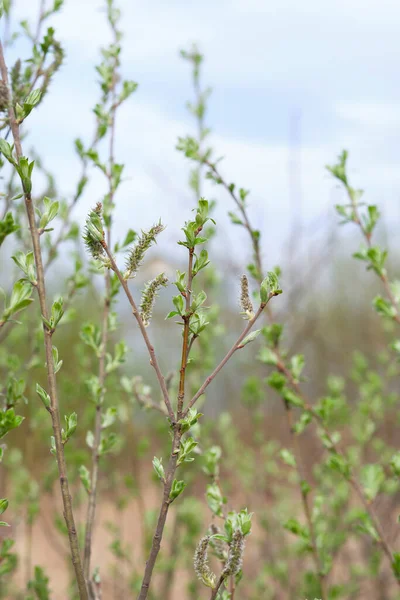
214, 591
172, 464
186, 331
51, 378
236, 346
382, 275
173, 558
246, 222
143, 331
289, 415
91, 512
162, 517
94, 476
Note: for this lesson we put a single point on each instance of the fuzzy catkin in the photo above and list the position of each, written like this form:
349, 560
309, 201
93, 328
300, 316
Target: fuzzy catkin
4, 97
201, 566
245, 302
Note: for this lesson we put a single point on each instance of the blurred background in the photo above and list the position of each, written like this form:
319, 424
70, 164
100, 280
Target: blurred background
292, 85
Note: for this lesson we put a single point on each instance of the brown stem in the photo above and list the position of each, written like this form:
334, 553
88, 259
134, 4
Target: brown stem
172, 557
51, 378
214, 591
382, 276
185, 341
150, 348
162, 517
236, 346
246, 222
91, 512
298, 455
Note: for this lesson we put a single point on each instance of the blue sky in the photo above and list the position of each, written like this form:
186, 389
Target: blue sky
335, 64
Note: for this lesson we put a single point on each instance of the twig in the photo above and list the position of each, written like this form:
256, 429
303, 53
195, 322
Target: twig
246, 222
162, 517
236, 346
215, 590
150, 348
185, 340
51, 378
105, 334
299, 461
382, 274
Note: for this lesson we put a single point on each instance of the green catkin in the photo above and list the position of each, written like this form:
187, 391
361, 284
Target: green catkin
136, 254
235, 556
149, 296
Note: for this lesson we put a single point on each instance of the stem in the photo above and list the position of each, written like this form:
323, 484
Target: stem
150, 348
236, 346
289, 414
173, 555
51, 378
185, 341
214, 591
382, 275
91, 512
162, 517
246, 222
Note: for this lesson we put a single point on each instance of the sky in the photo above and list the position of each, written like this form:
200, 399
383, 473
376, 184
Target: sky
293, 84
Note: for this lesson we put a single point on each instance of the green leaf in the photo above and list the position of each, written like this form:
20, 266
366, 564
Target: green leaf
7, 227
215, 500
85, 477
269, 287
249, 338
176, 489
396, 565
3, 505
288, 457
8, 421
372, 477
44, 396
158, 468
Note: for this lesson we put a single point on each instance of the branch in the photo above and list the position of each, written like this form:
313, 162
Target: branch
162, 517
185, 340
91, 512
51, 378
236, 346
150, 348
382, 275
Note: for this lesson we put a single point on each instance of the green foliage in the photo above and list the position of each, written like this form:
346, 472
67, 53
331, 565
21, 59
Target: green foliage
311, 459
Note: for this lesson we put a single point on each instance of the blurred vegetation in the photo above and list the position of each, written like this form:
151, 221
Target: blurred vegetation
300, 428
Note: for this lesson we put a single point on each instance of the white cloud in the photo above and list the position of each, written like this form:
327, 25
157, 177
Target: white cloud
253, 48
